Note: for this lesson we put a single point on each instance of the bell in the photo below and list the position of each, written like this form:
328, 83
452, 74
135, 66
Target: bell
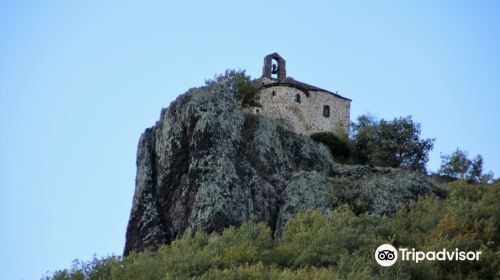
274, 70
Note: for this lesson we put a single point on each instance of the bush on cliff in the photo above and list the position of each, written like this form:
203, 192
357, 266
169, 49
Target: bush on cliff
246, 91
341, 246
394, 143
339, 148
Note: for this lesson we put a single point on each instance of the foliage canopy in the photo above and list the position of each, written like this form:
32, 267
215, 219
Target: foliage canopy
395, 143
246, 91
459, 166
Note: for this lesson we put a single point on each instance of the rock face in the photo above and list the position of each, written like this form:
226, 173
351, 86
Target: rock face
207, 165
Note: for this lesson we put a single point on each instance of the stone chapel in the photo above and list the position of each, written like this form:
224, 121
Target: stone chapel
300, 107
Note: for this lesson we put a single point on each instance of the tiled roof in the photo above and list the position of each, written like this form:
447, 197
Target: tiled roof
289, 81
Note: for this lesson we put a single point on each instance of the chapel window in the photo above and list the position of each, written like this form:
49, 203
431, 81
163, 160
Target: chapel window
297, 98
326, 111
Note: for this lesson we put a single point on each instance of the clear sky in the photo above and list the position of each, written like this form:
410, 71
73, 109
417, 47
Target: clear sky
81, 80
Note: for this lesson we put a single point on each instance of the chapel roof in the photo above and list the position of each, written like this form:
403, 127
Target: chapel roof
291, 82
279, 68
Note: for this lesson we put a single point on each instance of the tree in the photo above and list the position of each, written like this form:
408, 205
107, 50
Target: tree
459, 166
455, 165
362, 133
246, 91
393, 143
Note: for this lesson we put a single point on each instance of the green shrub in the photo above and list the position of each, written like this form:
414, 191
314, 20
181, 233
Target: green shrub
250, 243
246, 92
339, 148
346, 191
394, 143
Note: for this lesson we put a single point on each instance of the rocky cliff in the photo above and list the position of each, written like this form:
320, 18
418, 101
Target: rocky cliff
207, 165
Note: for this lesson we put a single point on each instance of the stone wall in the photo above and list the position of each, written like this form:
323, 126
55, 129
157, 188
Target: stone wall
280, 102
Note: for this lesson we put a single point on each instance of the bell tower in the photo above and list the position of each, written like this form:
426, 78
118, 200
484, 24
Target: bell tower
274, 67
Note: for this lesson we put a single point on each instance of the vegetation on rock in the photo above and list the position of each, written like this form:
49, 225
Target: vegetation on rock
224, 194
241, 85
335, 246
208, 165
339, 148
395, 143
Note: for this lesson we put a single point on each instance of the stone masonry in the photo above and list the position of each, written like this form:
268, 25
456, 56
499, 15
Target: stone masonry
300, 107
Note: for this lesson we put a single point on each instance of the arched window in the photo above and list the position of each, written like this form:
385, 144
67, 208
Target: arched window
297, 98
326, 111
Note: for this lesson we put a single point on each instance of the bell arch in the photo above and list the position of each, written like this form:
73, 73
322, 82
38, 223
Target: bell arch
278, 67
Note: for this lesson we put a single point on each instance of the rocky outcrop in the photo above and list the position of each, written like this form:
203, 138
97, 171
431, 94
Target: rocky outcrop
207, 165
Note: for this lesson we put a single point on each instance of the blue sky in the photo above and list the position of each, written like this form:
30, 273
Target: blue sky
79, 82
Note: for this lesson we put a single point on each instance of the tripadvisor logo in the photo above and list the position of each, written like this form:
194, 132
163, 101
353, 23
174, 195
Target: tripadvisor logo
387, 255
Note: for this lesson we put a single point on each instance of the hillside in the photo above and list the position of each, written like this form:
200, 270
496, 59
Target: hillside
314, 246
223, 194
